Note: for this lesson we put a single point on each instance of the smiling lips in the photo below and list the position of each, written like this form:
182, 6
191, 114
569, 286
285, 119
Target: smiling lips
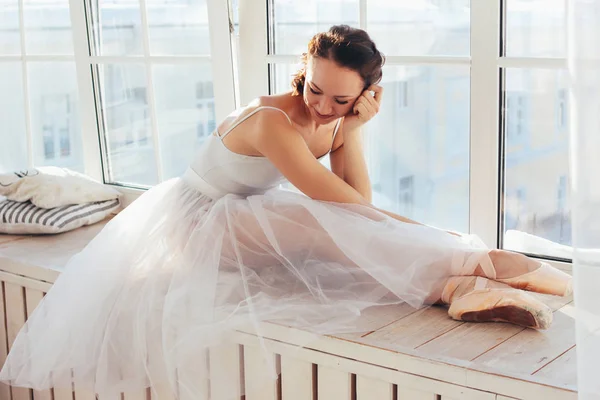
321, 115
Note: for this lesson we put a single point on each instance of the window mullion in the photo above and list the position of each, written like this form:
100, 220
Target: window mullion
484, 143
150, 98
25, 77
221, 58
92, 156
253, 74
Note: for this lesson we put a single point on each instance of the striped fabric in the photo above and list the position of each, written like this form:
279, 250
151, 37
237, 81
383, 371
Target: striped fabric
51, 220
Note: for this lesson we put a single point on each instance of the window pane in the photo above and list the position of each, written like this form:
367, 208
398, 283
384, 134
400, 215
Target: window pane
48, 27
185, 112
537, 203
295, 22
417, 148
178, 27
420, 27
535, 28
55, 123
128, 129
13, 152
121, 27
9, 27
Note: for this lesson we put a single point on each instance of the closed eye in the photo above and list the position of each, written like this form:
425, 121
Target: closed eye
342, 102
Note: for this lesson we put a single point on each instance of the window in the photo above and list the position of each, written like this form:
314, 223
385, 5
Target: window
535, 159
156, 66
39, 113
400, 144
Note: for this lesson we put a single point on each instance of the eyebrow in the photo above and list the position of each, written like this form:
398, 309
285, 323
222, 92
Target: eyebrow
319, 89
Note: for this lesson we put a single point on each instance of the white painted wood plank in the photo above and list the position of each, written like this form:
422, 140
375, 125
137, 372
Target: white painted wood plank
25, 282
412, 394
561, 371
259, 382
414, 330
531, 350
51, 251
4, 388
82, 394
225, 372
296, 379
373, 389
193, 379
4, 238
375, 318
162, 392
63, 394
32, 299
141, 395
334, 384
15, 319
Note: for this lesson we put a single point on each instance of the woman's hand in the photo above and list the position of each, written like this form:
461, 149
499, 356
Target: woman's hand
365, 108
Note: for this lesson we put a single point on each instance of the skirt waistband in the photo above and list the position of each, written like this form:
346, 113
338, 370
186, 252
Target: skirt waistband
194, 180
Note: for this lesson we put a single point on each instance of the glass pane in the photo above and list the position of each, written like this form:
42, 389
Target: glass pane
420, 27
55, 123
13, 152
48, 27
128, 129
535, 28
537, 203
9, 27
417, 148
178, 27
295, 22
185, 108
120, 24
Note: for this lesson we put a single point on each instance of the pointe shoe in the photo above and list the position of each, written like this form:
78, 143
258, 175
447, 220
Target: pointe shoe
544, 279
477, 299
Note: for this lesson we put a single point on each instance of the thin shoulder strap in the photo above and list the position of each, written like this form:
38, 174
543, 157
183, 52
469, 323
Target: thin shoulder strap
257, 109
335, 131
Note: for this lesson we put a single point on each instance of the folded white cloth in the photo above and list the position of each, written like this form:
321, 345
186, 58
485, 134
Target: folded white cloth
51, 187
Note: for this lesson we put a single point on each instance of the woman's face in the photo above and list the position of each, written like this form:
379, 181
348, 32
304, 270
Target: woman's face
330, 90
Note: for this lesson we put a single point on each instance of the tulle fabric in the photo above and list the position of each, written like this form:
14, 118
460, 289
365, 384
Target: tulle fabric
174, 273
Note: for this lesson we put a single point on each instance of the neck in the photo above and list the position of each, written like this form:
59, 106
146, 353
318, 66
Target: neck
304, 115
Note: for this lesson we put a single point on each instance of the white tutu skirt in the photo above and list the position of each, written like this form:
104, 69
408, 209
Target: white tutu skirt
176, 271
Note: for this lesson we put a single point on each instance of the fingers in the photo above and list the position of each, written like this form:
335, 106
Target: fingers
377, 92
362, 110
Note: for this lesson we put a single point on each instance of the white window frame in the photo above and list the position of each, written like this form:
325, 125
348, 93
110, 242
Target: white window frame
222, 78
485, 62
93, 151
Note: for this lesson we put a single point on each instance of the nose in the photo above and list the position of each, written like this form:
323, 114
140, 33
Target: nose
324, 106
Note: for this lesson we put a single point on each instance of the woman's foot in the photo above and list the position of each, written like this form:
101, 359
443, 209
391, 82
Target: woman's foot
477, 299
516, 270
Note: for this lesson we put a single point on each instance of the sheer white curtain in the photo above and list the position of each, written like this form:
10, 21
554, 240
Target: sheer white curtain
584, 71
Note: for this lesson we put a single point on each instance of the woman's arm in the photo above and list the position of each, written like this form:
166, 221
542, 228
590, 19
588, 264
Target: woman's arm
348, 162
